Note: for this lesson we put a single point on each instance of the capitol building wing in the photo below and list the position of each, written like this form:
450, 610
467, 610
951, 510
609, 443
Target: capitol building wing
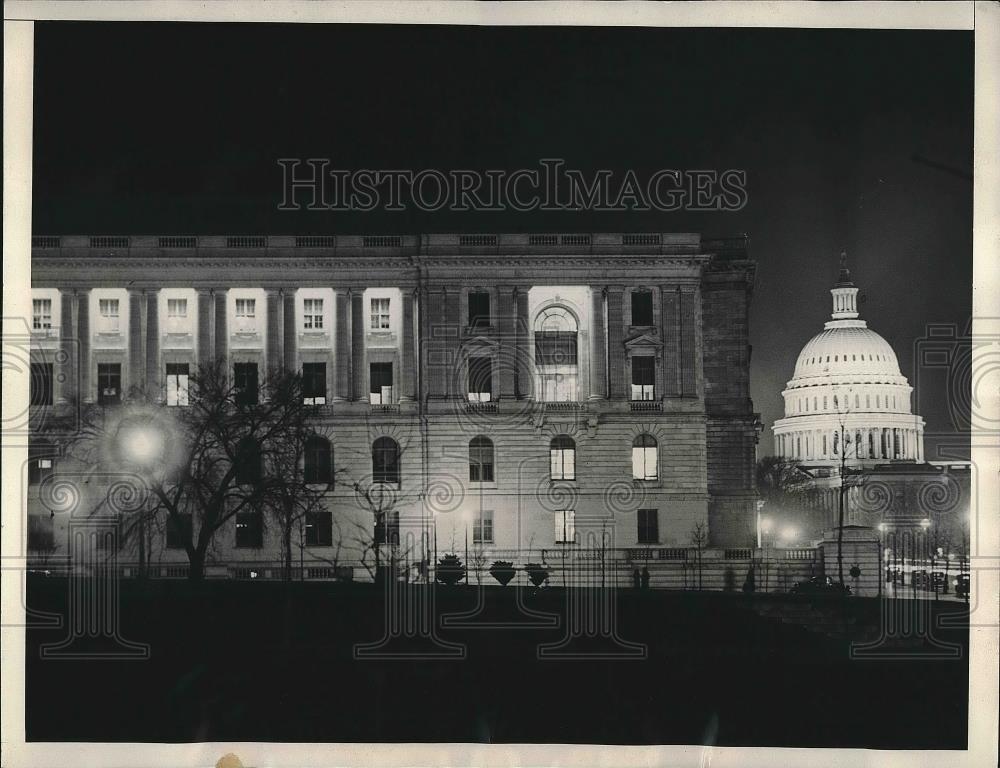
847, 399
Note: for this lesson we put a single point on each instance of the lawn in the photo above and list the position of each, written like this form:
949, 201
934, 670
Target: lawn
260, 661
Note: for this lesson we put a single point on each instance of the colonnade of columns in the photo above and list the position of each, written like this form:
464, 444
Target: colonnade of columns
862, 443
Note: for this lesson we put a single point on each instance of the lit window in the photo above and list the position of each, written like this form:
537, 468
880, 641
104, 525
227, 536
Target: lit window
177, 308
649, 526
109, 383
556, 355
177, 384
642, 308
380, 315
481, 460
108, 309
246, 308
385, 460
643, 377
41, 314
562, 458
312, 313
314, 383
565, 526
480, 388
318, 460
482, 527
380, 388
644, 458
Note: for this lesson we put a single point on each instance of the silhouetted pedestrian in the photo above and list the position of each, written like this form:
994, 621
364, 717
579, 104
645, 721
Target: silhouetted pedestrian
635, 579
645, 577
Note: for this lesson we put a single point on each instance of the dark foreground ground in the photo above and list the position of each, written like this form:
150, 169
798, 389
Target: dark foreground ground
270, 662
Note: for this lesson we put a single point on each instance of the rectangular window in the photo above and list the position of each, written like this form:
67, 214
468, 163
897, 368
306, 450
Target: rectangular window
642, 307
178, 530
249, 530
562, 459
482, 527
480, 379
177, 308
109, 383
479, 309
246, 308
319, 528
312, 314
643, 377
41, 314
108, 309
317, 461
649, 526
565, 521
314, 383
41, 384
41, 534
245, 382
380, 315
387, 532
380, 390
177, 384
248, 462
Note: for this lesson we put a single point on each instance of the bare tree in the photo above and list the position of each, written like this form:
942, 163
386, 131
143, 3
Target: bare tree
699, 537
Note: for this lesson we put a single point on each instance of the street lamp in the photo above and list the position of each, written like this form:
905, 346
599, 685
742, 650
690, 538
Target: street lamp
789, 534
141, 443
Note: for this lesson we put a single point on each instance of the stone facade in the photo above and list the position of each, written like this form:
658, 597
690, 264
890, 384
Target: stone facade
392, 324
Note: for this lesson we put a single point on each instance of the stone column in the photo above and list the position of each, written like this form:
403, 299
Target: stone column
206, 327
82, 303
290, 336
221, 324
67, 378
406, 372
153, 372
598, 346
136, 340
688, 343
275, 348
523, 385
342, 345
508, 341
359, 386
616, 343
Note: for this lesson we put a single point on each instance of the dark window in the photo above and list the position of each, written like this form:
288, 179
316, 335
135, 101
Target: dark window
39, 467
562, 458
318, 460
178, 530
41, 534
177, 384
380, 391
481, 378
319, 528
249, 469
109, 383
387, 531
41, 384
385, 460
642, 308
481, 460
643, 377
555, 347
649, 526
479, 309
250, 529
314, 383
245, 381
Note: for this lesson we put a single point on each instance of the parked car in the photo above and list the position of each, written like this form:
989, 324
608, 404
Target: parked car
820, 586
962, 585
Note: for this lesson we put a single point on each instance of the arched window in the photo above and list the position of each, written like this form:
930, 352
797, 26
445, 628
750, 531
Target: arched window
562, 458
385, 460
556, 355
644, 458
318, 460
481, 460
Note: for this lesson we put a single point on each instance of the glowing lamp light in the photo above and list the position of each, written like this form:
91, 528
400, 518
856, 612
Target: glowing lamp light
925, 523
765, 524
883, 527
141, 443
789, 534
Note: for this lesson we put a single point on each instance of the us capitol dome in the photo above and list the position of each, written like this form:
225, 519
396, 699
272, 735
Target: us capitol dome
847, 399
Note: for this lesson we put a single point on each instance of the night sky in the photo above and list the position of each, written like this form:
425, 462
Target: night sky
176, 129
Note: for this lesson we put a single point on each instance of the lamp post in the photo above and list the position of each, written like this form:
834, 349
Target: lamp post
925, 524
141, 443
764, 540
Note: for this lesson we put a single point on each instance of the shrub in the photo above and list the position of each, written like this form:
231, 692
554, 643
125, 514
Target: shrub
450, 570
503, 571
537, 574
